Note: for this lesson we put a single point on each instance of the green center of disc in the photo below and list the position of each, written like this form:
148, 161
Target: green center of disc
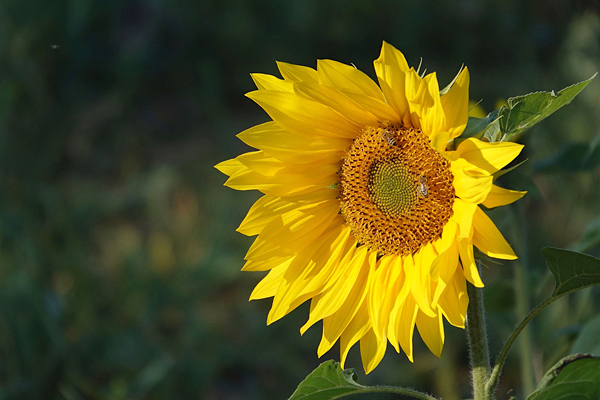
392, 189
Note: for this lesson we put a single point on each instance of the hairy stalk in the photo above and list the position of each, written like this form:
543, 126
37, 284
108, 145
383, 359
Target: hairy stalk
478, 346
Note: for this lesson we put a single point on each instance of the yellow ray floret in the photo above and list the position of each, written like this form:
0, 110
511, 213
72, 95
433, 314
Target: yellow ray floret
367, 213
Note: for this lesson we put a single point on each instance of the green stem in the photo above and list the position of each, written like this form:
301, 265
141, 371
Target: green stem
521, 276
476, 332
495, 375
525, 342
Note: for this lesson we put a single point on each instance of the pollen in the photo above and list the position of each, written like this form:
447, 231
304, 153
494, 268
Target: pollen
396, 191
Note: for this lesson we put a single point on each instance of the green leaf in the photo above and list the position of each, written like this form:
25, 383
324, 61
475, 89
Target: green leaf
476, 127
572, 270
588, 340
522, 112
576, 377
328, 381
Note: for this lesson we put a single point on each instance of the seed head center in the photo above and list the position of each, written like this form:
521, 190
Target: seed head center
396, 191
392, 188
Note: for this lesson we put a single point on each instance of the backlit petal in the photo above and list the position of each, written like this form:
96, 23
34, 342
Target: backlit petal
488, 156
391, 67
456, 104
488, 239
500, 197
297, 73
303, 116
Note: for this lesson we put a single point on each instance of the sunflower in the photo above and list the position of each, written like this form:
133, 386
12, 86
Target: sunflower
368, 210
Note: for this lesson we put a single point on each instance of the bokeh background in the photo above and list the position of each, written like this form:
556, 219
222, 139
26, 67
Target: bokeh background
119, 260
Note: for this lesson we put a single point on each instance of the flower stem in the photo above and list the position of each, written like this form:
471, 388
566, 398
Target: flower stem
476, 332
495, 375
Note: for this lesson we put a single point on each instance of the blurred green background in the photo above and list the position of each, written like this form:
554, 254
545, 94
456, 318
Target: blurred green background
119, 260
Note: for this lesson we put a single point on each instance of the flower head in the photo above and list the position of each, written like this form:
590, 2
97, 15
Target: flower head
366, 211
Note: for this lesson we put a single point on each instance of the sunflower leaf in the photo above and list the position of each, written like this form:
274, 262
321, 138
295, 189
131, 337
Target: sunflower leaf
329, 381
477, 127
574, 377
522, 112
572, 270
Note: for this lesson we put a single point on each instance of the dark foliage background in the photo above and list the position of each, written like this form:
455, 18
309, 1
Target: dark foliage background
119, 263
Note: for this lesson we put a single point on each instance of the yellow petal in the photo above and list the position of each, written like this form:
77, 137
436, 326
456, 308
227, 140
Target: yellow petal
292, 147
264, 211
391, 67
266, 264
336, 295
294, 230
444, 267
469, 184
431, 330
303, 116
416, 93
267, 287
489, 156
440, 141
372, 350
421, 283
379, 108
230, 167
405, 326
488, 238
334, 325
456, 105
270, 82
448, 237
454, 301
465, 248
291, 293
355, 330
347, 78
259, 162
291, 179
297, 73
284, 299
462, 213
330, 283
335, 100
433, 118
402, 286
381, 288
339, 253
424, 103
500, 197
